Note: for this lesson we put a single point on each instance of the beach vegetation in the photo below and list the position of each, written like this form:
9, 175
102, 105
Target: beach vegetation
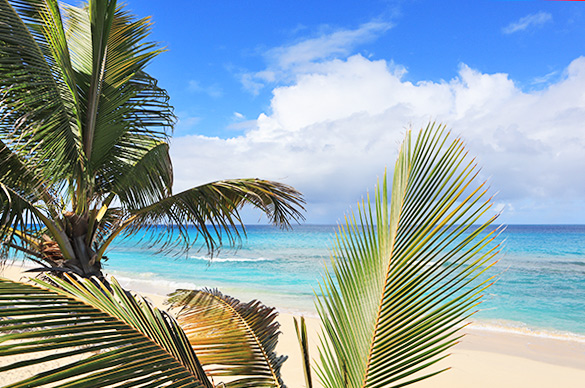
408, 270
84, 143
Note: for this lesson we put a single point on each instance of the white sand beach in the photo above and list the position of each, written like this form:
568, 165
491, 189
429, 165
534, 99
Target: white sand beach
483, 359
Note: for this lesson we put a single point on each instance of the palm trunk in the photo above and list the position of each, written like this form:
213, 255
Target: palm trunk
84, 263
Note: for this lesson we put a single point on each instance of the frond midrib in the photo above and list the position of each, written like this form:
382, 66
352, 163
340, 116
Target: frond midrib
388, 268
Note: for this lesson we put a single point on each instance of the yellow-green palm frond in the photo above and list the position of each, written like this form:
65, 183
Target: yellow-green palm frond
100, 334
231, 338
407, 274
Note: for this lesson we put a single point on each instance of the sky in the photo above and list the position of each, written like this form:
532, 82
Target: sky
319, 94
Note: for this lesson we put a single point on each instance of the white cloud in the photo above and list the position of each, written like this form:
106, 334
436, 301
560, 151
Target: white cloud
338, 43
285, 62
333, 131
532, 20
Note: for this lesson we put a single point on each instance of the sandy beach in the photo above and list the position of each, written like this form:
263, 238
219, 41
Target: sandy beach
484, 358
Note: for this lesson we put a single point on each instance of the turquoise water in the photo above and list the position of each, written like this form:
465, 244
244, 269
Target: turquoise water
540, 287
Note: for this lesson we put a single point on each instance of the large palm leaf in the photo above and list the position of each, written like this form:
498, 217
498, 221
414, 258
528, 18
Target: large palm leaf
212, 212
38, 101
231, 338
102, 336
404, 278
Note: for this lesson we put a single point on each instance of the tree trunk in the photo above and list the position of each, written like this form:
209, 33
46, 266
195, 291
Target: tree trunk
84, 263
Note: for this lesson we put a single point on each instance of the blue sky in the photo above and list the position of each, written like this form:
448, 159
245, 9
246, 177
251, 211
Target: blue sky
318, 94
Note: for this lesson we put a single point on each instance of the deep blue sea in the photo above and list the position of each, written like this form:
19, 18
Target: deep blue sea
540, 287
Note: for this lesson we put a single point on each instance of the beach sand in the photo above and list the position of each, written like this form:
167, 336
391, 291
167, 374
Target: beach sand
483, 359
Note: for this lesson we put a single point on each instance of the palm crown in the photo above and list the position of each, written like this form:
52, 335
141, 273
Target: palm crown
83, 141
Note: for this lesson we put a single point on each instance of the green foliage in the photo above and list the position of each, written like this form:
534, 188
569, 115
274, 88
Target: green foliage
84, 134
404, 275
301, 330
102, 335
231, 338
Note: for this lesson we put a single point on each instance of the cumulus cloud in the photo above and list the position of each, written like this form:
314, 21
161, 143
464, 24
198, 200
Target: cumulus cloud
332, 132
532, 20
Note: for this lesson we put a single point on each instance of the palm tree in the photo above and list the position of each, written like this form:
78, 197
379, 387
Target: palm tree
406, 275
84, 152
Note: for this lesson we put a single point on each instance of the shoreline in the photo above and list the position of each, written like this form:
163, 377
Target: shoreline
485, 357
160, 288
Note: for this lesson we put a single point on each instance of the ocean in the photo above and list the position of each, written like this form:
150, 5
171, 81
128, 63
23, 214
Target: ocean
540, 287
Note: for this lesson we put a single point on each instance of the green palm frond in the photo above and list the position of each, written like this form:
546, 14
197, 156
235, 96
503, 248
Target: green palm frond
231, 338
102, 337
301, 330
405, 278
19, 217
132, 108
213, 211
147, 181
20, 176
37, 92
14, 171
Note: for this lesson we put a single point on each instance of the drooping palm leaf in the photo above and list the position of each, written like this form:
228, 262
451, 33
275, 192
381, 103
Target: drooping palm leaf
19, 217
147, 181
231, 338
101, 337
213, 211
404, 279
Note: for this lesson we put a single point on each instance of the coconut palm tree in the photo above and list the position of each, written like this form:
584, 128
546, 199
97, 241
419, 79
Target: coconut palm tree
84, 152
406, 274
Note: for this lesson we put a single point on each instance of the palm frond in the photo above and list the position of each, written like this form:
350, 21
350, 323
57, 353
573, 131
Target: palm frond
102, 337
101, 16
132, 108
20, 217
301, 330
37, 92
404, 279
212, 212
231, 338
147, 180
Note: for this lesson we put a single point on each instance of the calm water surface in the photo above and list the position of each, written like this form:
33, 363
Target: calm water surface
540, 287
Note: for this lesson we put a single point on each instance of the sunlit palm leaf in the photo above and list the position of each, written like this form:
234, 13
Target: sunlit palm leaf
406, 278
37, 92
231, 338
101, 337
301, 329
147, 181
132, 108
213, 210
